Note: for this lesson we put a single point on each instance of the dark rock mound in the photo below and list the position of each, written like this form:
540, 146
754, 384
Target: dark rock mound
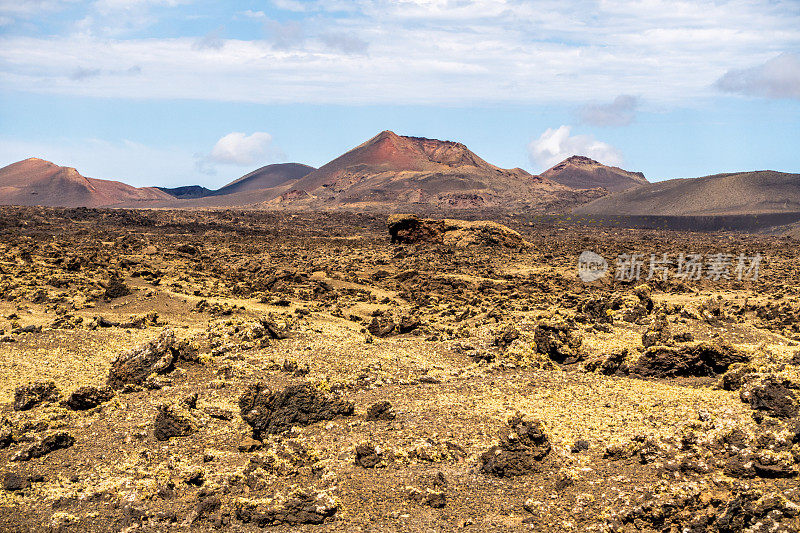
89, 397
173, 421
381, 411
116, 288
29, 396
410, 229
50, 443
296, 405
523, 445
13, 481
155, 357
301, 507
556, 338
699, 359
771, 396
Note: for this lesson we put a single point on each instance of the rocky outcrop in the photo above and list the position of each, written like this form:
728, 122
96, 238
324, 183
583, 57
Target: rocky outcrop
269, 412
410, 229
523, 445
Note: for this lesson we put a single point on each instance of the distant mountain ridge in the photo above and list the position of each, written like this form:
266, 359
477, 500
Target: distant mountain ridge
266, 177
580, 172
34, 181
763, 191
393, 170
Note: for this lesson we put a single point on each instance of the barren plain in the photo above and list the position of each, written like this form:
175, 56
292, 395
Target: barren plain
235, 370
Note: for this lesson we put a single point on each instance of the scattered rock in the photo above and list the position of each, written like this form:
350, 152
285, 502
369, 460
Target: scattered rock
658, 333
50, 443
429, 497
369, 456
13, 481
381, 411
155, 357
580, 445
523, 445
296, 405
771, 396
699, 359
29, 396
89, 397
300, 507
557, 339
173, 421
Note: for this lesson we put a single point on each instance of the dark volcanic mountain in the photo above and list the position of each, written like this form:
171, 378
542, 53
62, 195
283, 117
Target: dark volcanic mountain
579, 172
764, 191
391, 170
38, 182
266, 178
187, 192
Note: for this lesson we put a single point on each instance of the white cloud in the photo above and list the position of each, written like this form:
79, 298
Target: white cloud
347, 43
212, 40
285, 35
620, 112
555, 145
456, 52
777, 78
239, 149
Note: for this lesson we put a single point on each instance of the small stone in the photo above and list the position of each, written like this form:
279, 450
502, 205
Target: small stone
50, 443
581, 445
13, 481
429, 497
172, 421
381, 411
89, 397
29, 396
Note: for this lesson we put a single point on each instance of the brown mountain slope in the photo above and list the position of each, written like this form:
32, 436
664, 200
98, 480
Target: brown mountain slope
37, 182
763, 191
579, 172
265, 178
391, 170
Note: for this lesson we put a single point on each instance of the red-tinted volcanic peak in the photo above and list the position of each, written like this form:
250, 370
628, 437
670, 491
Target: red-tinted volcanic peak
35, 181
581, 172
390, 152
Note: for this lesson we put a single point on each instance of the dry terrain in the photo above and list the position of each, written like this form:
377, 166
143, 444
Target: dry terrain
231, 370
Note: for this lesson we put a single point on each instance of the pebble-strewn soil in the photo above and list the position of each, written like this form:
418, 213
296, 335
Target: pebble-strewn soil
198, 371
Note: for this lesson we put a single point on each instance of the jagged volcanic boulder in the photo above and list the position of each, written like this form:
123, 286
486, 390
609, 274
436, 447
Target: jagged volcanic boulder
771, 396
48, 444
155, 357
300, 507
29, 396
88, 397
173, 421
523, 445
296, 405
698, 359
410, 229
557, 339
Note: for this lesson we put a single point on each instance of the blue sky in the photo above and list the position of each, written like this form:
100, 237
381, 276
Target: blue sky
175, 92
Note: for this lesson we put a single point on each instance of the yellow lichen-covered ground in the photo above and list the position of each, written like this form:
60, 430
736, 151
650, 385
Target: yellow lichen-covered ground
456, 339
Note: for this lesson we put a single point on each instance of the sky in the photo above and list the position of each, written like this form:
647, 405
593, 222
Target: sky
179, 92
